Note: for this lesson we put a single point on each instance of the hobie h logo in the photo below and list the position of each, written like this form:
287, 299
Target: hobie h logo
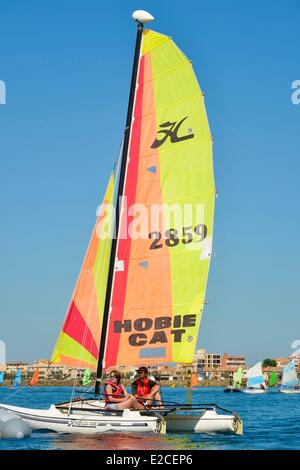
170, 130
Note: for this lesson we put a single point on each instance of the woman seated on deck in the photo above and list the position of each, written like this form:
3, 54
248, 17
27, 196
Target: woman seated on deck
116, 395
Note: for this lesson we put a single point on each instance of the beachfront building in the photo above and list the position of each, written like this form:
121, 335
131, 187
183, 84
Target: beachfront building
12, 367
47, 370
205, 365
282, 362
232, 362
202, 360
163, 371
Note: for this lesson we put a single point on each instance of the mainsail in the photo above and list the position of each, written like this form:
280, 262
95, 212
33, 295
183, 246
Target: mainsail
164, 232
161, 267
78, 342
255, 376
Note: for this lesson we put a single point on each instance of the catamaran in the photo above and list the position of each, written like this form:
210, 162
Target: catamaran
256, 381
237, 382
140, 293
289, 382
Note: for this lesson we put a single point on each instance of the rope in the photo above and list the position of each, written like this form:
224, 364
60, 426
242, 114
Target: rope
17, 391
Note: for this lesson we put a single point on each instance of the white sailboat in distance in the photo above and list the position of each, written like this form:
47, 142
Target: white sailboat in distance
256, 381
289, 382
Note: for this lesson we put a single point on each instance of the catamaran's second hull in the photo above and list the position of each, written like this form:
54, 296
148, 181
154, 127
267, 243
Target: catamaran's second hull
206, 422
90, 423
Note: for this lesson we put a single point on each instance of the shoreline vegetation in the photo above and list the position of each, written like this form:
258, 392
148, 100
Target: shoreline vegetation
163, 383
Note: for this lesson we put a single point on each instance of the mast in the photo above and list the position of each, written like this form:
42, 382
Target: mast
141, 17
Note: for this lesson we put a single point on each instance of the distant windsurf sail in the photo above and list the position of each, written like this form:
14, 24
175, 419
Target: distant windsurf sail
35, 377
86, 379
17, 379
273, 380
1, 377
237, 378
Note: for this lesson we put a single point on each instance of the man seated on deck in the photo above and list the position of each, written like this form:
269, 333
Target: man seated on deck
145, 389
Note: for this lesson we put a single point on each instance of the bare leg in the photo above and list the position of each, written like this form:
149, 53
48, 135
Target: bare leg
157, 397
140, 405
131, 402
154, 395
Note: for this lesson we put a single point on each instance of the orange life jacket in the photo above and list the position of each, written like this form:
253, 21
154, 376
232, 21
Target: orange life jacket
143, 387
117, 391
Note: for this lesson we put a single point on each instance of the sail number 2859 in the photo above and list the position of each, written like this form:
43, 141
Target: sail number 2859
172, 237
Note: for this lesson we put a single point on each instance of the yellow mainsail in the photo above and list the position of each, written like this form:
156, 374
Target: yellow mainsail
159, 292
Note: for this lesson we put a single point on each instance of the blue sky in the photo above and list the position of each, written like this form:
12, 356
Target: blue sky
67, 67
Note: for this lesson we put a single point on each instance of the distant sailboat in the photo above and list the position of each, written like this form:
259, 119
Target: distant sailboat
273, 380
237, 382
17, 379
1, 377
256, 381
290, 382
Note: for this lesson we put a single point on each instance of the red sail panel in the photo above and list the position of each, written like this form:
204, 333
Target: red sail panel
124, 245
141, 293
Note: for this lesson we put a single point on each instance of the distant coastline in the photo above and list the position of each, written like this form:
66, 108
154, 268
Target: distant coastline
163, 383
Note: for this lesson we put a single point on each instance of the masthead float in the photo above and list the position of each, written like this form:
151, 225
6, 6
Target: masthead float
140, 294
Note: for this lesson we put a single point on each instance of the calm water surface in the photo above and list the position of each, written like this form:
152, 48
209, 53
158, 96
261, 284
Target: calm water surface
271, 421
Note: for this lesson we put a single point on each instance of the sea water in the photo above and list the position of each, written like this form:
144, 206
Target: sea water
271, 421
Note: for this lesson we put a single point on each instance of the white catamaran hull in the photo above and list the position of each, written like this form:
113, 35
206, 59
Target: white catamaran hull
254, 391
289, 391
89, 423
